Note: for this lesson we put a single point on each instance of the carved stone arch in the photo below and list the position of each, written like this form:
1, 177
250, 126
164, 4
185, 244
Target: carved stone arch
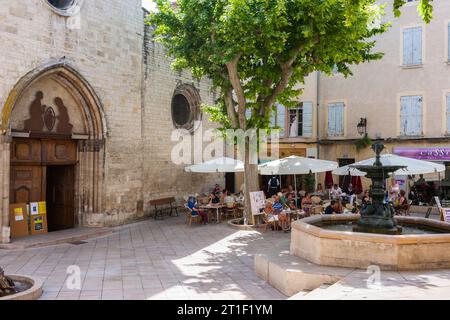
74, 81
89, 171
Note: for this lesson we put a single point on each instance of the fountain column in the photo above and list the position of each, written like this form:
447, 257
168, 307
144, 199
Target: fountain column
378, 216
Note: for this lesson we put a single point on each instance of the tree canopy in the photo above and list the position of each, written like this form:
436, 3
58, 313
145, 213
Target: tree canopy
257, 51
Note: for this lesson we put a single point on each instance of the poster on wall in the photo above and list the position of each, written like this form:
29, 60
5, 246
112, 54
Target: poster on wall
19, 220
38, 223
19, 214
42, 207
34, 208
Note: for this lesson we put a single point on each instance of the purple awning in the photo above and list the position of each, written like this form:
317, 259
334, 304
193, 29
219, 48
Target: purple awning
430, 154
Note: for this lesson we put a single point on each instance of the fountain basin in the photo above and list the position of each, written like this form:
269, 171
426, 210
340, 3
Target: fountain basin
430, 249
30, 288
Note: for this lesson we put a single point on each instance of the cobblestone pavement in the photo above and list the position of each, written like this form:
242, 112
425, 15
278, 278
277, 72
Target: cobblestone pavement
155, 260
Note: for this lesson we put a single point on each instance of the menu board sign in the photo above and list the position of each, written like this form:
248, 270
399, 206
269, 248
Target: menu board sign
257, 202
446, 214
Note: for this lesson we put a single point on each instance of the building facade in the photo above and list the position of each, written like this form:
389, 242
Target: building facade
88, 107
403, 99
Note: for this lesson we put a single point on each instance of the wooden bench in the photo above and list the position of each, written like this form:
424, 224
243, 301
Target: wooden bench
164, 205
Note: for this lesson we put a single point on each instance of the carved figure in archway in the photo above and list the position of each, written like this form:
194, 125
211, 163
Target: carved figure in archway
64, 125
36, 121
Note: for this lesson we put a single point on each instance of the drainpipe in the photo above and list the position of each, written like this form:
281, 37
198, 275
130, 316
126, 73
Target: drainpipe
317, 113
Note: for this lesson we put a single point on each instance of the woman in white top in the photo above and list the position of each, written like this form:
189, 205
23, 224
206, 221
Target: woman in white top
394, 190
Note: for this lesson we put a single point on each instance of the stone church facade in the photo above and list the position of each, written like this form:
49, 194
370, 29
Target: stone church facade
87, 113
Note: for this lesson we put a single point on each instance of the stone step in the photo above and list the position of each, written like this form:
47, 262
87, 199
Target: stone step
302, 295
292, 275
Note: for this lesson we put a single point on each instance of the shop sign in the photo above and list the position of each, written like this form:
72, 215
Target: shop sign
431, 154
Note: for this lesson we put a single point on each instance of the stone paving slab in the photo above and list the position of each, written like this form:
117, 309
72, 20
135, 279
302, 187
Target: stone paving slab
360, 285
57, 237
154, 260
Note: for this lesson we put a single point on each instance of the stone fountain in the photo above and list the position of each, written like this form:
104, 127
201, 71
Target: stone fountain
378, 216
7, 286
375, 236
17, 287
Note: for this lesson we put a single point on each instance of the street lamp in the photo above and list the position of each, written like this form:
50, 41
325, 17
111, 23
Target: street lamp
362, 126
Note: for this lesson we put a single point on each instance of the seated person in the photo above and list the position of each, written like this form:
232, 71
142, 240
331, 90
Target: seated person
306, 201
319, 191
282, 197
223, 195
334, 208
366, 198
402, 202
214, 198
290, 202
227, 197
335, 192
277, 205
192, 205
282, 217
216, 189
290, 190
350, 193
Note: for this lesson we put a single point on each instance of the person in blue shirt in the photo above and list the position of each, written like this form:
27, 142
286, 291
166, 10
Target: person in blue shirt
282, 217
277, 205
192, 204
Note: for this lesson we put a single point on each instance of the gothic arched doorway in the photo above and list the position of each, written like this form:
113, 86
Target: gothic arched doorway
54, 125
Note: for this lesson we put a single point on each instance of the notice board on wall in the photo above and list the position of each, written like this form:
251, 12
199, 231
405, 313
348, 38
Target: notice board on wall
18, 217
38, 218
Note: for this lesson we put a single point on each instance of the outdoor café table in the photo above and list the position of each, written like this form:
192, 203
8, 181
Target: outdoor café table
217, 207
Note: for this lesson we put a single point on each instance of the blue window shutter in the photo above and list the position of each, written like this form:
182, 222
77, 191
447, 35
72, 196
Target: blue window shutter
411, 115
404, 106
307, 119
448, 37
417, 46
281, 119
417, 114
407, 46
331, 120
340, 119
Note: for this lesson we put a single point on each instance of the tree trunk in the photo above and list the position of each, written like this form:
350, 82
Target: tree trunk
250, 181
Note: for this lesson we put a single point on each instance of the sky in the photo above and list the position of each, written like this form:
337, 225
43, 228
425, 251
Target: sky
148, 4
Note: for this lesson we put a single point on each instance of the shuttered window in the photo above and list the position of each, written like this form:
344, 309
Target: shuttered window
307, 119
411, 115
448, 42
300, 120
336, 119
412, 46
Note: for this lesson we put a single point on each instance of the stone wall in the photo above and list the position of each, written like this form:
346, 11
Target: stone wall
106, 46
161, 176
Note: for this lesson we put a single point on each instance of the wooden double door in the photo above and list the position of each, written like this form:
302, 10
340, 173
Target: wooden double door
44, 170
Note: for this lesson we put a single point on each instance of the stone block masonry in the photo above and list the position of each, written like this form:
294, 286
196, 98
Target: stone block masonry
131, 75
